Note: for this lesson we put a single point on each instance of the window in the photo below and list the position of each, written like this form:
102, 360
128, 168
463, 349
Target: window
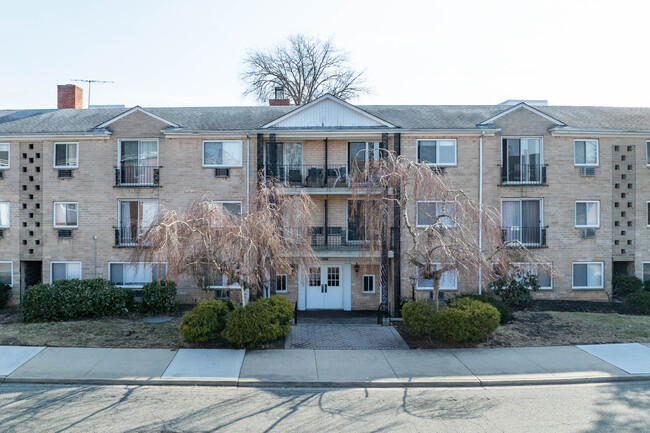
448, 281
281, 283
7, 273
646, 271
136, 274
585, 152
138, 162
134, 219
66, 215
65, 271
4, 215
588, 275
437, 152
522, 160
4, 155
587, 214
522, 220
232, 207
66, 155
222, 153
218, 281
543, 273
431, 212
368, 284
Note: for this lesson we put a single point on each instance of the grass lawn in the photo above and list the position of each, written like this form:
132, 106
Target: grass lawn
551, 328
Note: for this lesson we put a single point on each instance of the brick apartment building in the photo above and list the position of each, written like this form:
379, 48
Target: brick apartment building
77, 187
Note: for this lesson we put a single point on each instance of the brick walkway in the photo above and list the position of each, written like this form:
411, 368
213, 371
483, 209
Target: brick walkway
345, 337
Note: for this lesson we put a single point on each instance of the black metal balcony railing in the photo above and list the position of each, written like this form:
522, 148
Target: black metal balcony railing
130, 235
523, 174
129, 175
337, 238
531, 237
311, 176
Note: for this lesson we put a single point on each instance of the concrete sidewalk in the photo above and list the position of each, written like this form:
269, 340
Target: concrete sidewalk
327, 368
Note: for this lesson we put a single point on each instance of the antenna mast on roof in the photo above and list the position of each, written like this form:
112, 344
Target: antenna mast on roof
90, 82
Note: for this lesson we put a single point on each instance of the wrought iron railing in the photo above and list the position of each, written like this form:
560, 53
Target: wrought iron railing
523, 174
129, 175
337, 238
311, 176
130, 235
531, 237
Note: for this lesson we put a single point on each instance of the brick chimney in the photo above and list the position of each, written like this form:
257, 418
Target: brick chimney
69, 96
280, 98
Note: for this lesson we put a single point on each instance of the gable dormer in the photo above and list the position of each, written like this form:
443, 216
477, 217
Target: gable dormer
522, 119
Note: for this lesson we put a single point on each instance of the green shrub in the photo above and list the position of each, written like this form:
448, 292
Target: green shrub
159, 297
466, 320
74, 299
284, 311
504, 311
205, 321
5, 295
627, 284
638, 302
646, 285
516, 292
418, 317
256, 323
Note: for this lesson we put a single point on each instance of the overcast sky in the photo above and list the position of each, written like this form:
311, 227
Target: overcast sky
188, 53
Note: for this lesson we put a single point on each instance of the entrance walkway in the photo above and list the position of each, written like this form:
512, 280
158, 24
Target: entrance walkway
344, 337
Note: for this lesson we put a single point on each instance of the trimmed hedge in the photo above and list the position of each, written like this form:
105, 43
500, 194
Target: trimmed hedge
284, 312
205, 321
483, 318
638, 302
74, 299
5, 295
418, 318
504, 311
159, 297
260, 321
627, 284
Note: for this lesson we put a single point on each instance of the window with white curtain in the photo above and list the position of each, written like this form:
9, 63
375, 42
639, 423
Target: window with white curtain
66, 215
587, 214
448, 281
136, 274
432, 212
225, 153
4, 155
6, 273
543, 272
4, 214
65, 271
585, 152
588, 275
437, 152
66, 155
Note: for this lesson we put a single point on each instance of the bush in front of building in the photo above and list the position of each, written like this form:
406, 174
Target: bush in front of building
515, 292
5, 295
625, 285
159, 297
260, 321
284, 312
205, 321
74, 299
638, 302
465, 320
418, 317
504, 311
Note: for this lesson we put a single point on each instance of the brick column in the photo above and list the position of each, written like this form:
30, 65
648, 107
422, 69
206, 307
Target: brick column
397, 222
383, 271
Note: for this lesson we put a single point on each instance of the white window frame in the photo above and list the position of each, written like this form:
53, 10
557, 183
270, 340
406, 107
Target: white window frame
66, 268
133, 286
8, 215
241, 154
222, 202
575, 215
65, 167
225, 286
438, 164
602, 272
586, 164
8, 166
119, 149
11, 284
445, 289
286, 283
54, 215
363, 278
642, 273
549, 265
417, 211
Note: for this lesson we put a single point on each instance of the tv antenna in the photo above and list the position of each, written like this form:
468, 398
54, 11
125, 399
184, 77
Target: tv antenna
90, 82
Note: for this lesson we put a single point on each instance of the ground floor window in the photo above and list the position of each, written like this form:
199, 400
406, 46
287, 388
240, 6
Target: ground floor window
543, 272
448, 281
6, 273
65, 271
646, 271
281, 283
588, 275
136, 274
368, 284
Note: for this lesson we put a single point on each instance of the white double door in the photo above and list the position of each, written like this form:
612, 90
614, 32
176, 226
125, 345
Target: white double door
324, 288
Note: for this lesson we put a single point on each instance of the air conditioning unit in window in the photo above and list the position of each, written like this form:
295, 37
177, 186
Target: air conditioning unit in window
65, 174
65, 234
587, 233
588, 171
221, 172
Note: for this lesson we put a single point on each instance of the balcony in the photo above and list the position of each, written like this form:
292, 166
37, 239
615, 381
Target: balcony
523, 174
311, 176
337, 239
530, 237
137, 176
130, 236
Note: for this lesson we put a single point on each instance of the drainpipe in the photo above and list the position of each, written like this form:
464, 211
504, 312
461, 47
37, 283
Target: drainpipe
95, 257
248, 171
480, 209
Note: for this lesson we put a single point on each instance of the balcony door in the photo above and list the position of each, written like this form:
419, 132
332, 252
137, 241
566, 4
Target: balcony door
522, 159
138, 159
288, 161
356, 223
362, 155
135, 218
521, 220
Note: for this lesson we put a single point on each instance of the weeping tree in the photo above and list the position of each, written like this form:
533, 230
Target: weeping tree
305, 67
440, 223
204, 240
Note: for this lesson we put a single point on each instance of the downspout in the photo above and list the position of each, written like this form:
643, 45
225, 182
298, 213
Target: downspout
248, 172
480, 210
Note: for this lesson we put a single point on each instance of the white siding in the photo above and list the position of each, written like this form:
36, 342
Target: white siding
328, 113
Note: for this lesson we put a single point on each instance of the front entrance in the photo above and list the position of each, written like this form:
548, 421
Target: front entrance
324, 288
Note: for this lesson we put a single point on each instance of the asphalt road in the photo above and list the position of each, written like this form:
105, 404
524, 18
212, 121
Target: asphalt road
618, 407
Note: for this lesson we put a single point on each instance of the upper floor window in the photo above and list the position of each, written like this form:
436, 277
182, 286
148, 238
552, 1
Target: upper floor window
225, 153
65, 271
588, 275
136, 274
4, 215
587, 214
66, 215
431, 212
4, 155
138, 163
522, 161
522, 221
437, 152
66, 155
585, 152
6, 273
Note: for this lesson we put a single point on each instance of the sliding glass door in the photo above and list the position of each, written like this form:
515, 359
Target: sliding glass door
138, 159
522, 160
521, 220
135, 218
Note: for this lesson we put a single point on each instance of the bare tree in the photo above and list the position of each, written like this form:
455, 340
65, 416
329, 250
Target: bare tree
443, 234
306, 67
204, 240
